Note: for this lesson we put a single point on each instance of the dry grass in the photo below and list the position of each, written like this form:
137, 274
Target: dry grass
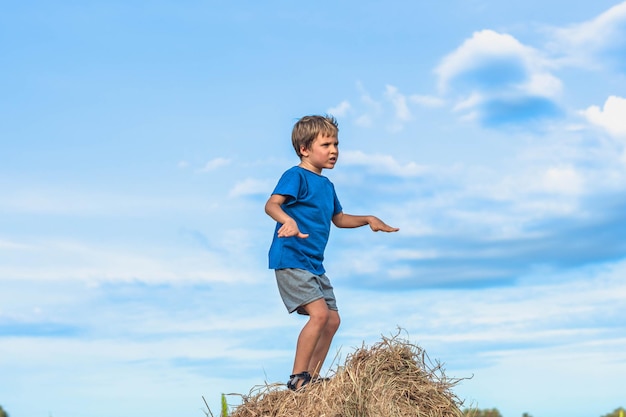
393, 378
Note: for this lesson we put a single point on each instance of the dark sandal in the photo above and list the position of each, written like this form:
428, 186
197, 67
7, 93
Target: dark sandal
292, 384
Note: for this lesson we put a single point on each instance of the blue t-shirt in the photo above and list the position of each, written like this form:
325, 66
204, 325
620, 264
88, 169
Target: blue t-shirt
312, 203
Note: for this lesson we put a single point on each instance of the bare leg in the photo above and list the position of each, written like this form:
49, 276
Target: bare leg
310, 334
323, 343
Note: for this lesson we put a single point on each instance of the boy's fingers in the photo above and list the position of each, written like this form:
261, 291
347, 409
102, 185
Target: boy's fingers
291, 234
386, 228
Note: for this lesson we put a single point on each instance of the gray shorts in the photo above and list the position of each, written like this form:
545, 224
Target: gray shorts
299, 287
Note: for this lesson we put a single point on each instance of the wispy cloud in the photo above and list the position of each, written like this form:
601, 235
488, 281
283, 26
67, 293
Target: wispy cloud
73, 260
341, 110
491, 78
82, 201
401, 111
426, 100
562, 180
593, 44
7, 244
372, 108
612, 117
487, 60
497, 80
385, 164
251, 186
476, 227
394, 108
467, 248
214, 164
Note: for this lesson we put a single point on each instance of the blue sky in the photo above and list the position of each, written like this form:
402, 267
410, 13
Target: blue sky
140, 141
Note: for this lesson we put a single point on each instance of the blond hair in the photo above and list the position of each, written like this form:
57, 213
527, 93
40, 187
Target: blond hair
309, 127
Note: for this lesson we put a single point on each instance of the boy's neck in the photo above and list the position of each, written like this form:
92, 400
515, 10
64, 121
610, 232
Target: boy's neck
309, 167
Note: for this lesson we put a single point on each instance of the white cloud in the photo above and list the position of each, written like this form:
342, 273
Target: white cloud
427, 101
482, 46
55, 199
251, 186
382, 163
372, 110
543, 84
469, 102
71, 260
393, 102
11, 245
467, 105
399, 102
612, 117
341, 109
539, 191
563, 180
578, 44
496, 79
214, 164
542, 305
364, 120
367, 99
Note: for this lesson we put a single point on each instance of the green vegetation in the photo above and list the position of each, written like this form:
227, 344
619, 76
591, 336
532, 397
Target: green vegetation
493, 412
208, 413
487, 412
619, 412
3, 413
224, 412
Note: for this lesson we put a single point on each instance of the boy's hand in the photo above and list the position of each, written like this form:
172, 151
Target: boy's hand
290, 229
378, 225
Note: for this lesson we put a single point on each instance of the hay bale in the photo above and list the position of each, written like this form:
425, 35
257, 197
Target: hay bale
393, 378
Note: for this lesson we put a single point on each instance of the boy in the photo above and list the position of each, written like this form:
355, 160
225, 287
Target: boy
303, 204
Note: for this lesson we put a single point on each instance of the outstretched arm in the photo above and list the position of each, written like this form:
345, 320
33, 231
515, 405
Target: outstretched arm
344, 220
289, 227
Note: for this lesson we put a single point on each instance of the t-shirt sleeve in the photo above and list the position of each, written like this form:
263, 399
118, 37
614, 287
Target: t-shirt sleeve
288, 186
337, 205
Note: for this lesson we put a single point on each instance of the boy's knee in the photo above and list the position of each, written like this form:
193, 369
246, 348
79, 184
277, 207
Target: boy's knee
320, 316
333, 320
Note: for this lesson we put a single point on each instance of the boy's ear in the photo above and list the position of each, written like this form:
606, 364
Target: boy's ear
304, 151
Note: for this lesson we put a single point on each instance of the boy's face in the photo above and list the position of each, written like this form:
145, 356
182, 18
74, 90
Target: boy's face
322, 154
